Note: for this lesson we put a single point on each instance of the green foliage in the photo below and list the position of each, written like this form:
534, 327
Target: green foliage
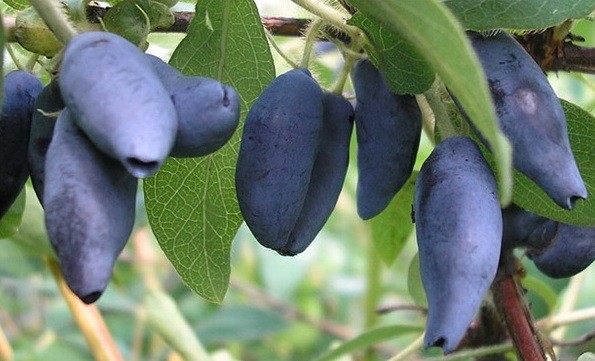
191, 203
414, 285
527, 14
240, 323
9, 224
17, 4
581, 131
392, 227
405, 69
367, 339
437, 35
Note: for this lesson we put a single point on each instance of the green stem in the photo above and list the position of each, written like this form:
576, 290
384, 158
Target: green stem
441, 118
409, 350
374, 289
474, 353
275, 46
343, 75
54, 15
311, 38
427, 116
32, 62
14, 58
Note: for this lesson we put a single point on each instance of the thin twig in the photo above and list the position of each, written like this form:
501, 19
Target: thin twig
575, 342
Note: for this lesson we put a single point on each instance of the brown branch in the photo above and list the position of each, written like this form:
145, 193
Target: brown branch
508, 297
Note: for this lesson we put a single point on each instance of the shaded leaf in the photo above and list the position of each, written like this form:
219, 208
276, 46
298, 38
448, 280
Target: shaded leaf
543, 290
526, 14
369, 338
240, 323
392, 227
191, 203
405, 70
9, 224
414, 284
439, 37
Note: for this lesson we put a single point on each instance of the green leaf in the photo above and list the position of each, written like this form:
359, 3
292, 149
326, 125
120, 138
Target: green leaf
392, 227
404, 68
17, 4
543, 290
526, 14
581, 131
240, 323
369, 338
414, 284
436, 34
191, 203
9, 224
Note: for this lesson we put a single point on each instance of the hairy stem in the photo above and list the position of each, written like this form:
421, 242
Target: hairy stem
55, 17
329, 14
311, 38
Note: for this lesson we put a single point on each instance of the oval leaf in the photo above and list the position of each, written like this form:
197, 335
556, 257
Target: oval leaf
526, 14
191, 203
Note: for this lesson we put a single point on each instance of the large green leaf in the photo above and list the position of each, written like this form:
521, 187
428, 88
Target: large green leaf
526, 14
434, 31
581, 131
369, 338
405, 69
392, 227
191, 203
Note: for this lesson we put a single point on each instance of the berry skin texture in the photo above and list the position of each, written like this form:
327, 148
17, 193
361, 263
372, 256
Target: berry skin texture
564, 250
277, 152
328, 174
531, 116
458, 221
517, 225
208, 111
89, 201
20, 91
119, 101
42, 129
388, 129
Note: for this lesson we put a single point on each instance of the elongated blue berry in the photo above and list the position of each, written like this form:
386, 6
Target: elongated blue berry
279, 145
458, 221
119, 101
388, 129
89, 201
